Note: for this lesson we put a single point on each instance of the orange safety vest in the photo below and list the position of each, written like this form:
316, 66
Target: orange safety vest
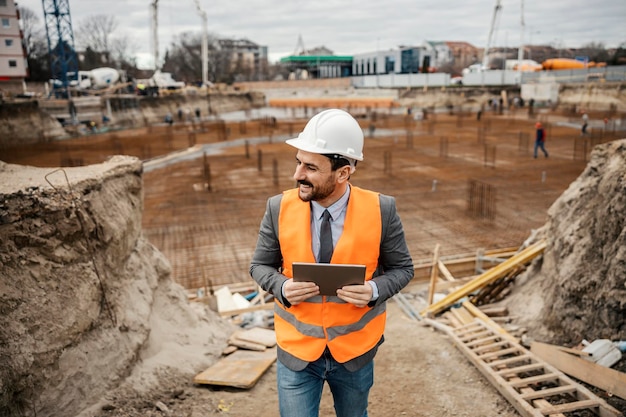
304, 330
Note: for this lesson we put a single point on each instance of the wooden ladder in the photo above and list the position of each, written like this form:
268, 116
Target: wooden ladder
532, 386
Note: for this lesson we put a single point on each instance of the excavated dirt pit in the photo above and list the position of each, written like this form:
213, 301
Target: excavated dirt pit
460, 183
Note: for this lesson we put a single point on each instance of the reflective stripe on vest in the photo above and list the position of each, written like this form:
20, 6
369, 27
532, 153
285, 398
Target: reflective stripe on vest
304, 330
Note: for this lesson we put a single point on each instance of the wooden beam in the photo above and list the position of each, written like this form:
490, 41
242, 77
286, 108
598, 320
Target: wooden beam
610, 380
492, 324
487, 277
444, 271
434, 274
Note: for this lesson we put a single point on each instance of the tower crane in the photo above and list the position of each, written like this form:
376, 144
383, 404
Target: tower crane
60, 36
520, 52
492, 30
204, 49
204, 46
155, 33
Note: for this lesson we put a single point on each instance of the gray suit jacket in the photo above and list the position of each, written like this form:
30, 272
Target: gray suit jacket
395, 266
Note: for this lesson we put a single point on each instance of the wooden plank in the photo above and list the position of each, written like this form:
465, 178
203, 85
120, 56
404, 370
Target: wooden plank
241, 369
462, 314
491, 346
475, 335
507, 372
509, 361
434, 274
610, 380
577, 352
244, 344
487, 277
494, 311
444, 271
488, 321
503, 352
548, 392
453, 320
522, 382
260, 335
567, 407
482, 341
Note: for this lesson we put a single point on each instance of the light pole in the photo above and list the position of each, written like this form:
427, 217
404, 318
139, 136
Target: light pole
530, 42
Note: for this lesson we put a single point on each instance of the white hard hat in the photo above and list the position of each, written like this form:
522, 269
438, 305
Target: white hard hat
332, 131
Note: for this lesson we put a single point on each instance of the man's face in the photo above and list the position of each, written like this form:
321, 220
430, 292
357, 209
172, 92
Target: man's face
316, 179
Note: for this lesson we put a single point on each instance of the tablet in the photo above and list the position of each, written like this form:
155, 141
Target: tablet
329, 277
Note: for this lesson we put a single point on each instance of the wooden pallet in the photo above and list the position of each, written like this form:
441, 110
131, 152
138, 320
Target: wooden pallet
532, 386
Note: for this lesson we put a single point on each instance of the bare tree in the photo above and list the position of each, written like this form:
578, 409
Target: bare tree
96, 32
123, 51
595, 51
36, 45
34, 34
184, 59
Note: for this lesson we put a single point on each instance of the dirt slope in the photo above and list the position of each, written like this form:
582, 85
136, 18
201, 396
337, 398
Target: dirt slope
77, 315
578, 291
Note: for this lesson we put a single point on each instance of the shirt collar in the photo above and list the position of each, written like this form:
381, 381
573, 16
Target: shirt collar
335, 209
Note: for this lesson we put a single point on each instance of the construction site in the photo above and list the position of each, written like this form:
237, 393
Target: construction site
121, 251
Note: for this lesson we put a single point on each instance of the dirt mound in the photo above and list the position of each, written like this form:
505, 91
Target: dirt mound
84, 296
578, 290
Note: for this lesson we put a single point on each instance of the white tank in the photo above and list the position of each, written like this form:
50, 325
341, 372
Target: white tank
103, 77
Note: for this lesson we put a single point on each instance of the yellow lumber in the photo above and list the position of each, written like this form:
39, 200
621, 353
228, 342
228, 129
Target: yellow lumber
434, 274
487, 277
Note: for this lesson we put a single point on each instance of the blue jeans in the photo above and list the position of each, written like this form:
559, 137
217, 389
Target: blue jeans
300, 393
540, 145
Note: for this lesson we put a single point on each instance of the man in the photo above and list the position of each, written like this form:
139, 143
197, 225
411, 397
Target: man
329, 339
540, 138
583, 129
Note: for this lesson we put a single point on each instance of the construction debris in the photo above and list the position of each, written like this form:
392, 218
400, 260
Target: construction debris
525, 380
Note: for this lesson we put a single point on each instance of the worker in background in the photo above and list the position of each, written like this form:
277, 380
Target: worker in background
329, 339
540, 139
583, 129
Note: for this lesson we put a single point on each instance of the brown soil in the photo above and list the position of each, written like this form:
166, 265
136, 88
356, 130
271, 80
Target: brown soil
418, 372
203, 215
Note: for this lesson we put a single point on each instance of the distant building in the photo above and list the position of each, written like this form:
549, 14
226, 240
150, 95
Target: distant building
13, 66
246, 57
318, 62
440, 53
463, 54
404, 60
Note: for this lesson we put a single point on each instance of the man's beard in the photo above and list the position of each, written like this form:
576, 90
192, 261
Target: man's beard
317, 193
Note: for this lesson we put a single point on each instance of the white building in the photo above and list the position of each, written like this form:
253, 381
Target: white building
404, 60
13, 67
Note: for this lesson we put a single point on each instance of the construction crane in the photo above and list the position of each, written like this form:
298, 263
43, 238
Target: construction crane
205, 39
492, 30
520, 51
63, 57
155, 33
204, 49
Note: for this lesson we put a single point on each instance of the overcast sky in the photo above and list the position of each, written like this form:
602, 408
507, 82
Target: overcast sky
348, 27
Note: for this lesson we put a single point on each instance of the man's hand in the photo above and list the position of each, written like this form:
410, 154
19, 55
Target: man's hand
297, 292
359, 295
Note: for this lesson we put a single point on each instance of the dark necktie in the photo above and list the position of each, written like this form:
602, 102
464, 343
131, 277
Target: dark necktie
326, 240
